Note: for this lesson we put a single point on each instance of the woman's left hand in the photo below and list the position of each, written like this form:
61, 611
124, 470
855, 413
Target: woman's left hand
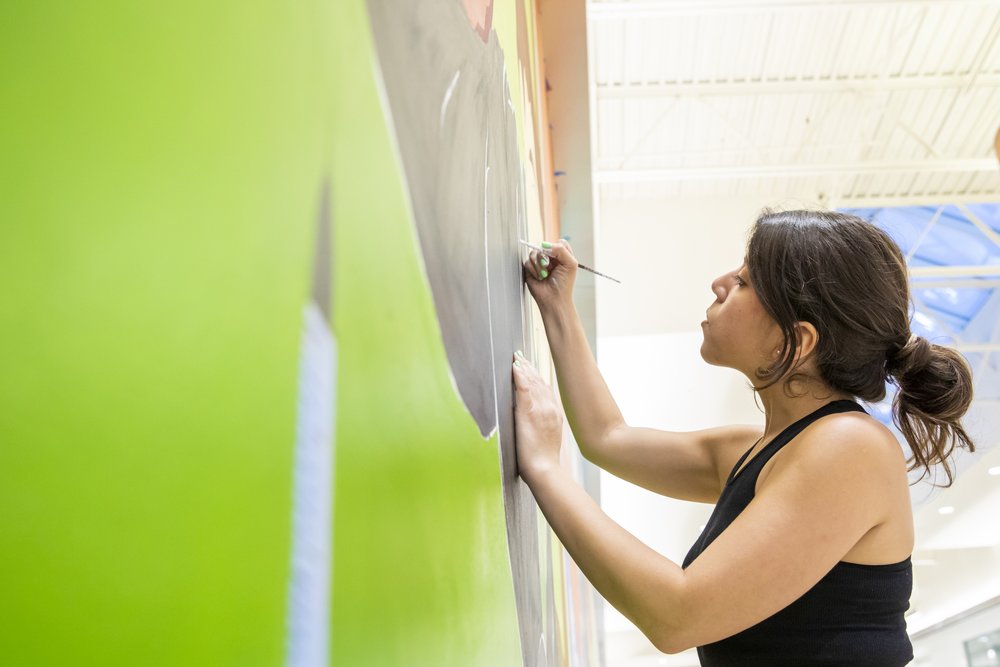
538, 421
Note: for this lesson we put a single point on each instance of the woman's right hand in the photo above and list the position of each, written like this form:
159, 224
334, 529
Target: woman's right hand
550, 279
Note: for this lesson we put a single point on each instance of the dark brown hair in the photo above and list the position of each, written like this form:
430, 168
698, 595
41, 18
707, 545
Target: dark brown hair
847, 277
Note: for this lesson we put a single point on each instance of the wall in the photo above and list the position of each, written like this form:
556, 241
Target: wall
660, 381
647, 243
946, 646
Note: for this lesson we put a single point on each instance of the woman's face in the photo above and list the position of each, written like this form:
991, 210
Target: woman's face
739, 333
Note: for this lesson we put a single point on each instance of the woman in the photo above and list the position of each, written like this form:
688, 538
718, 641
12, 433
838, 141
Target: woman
806, 558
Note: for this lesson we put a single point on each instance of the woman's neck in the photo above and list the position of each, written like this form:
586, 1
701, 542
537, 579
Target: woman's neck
781, 411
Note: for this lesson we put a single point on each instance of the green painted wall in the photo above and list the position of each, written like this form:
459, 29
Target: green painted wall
421, 571
158, 192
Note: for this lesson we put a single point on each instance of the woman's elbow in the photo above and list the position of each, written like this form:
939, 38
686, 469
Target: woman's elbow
667, 639
670, 645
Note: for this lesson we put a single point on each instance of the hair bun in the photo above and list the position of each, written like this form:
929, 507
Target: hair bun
915, 354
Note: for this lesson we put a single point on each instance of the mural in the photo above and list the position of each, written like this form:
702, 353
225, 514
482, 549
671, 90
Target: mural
454, 122
421, 566
444, 76
257, 394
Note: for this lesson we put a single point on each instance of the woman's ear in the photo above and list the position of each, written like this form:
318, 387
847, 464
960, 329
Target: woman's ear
806, 340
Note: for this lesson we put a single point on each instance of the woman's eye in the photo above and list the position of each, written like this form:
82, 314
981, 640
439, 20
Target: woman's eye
739, 281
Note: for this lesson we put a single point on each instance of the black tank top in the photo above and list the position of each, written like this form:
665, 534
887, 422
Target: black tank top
853, 617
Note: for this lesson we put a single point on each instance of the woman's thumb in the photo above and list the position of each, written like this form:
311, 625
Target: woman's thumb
561, 252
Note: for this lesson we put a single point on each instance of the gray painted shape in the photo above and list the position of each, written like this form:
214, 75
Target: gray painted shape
455, 128
442, 123
322, 284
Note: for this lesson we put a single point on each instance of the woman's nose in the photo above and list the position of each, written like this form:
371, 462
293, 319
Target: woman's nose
719, 288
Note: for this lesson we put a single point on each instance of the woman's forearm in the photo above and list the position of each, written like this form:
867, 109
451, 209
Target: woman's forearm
640, 583
590, 408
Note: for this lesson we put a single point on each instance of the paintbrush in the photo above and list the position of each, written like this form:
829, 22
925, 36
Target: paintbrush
548, 253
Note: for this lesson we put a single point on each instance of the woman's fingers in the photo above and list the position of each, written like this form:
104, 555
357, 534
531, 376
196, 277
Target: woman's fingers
540, 265
532, 393
544, 266
562, 253
520, 361
531, 266
523, 366
541, 261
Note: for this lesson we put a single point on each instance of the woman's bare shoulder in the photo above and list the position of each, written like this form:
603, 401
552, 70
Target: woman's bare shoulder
846, 439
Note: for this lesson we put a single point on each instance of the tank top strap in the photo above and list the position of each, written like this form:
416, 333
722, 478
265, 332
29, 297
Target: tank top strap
783, 438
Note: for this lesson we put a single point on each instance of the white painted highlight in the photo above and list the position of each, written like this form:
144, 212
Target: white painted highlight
447, 96
489, 299
312, 553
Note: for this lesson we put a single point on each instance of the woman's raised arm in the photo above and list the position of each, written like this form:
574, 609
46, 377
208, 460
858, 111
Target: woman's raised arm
686, 465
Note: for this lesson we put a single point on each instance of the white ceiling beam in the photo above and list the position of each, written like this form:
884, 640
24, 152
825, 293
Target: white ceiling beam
953, 272
974, 347
600, 11
923, 234
970, 283
980, 225
771, 171
794, 86
882, 201
757, 153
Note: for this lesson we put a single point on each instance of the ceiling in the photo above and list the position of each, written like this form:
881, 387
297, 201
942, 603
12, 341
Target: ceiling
858, 103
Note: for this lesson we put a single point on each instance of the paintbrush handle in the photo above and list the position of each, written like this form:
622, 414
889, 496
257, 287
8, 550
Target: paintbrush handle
598, 273
548, 253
